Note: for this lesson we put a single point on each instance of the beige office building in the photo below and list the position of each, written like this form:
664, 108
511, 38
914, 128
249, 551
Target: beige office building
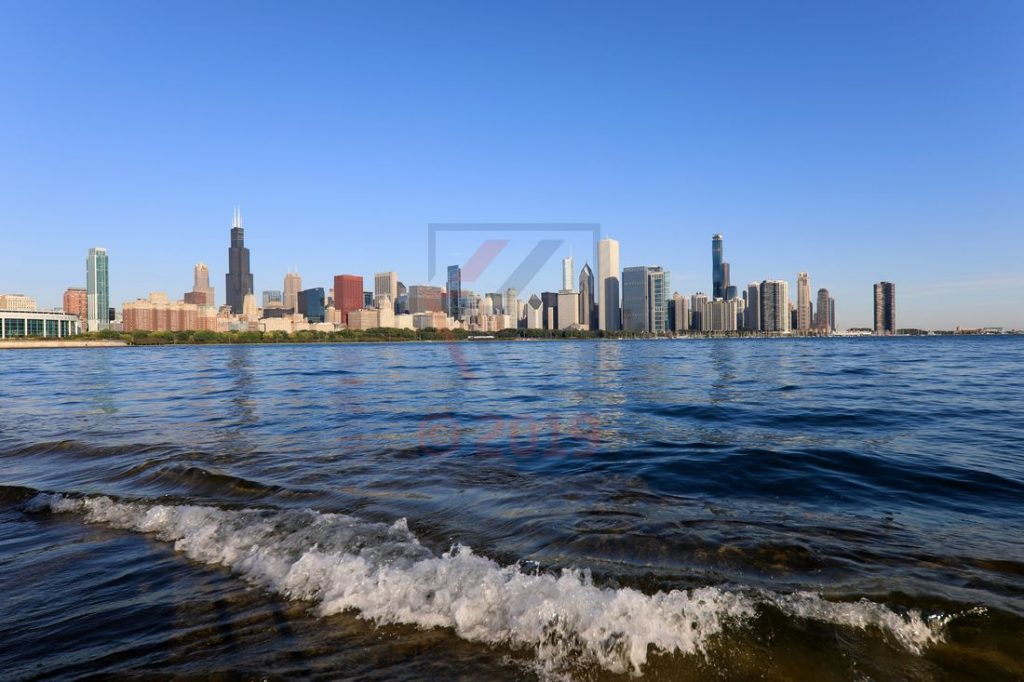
568, 309
803, 302
385, 284
608, 285
17, 302
292, 287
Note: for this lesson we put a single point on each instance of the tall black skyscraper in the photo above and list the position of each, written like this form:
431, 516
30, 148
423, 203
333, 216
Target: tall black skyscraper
885, 308
238, 281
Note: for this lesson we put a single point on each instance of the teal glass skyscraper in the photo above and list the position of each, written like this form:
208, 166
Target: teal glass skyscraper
97, 289
718, 284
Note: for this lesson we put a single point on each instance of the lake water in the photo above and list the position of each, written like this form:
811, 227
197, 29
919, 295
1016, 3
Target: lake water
778, 509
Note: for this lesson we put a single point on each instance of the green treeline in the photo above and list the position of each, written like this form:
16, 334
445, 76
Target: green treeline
143, 338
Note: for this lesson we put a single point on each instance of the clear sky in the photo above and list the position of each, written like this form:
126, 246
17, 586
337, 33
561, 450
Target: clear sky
858, 141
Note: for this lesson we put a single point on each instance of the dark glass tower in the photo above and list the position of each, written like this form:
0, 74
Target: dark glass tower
238, 281
588, 313
311, 304
885, 308
455, 292
718, 283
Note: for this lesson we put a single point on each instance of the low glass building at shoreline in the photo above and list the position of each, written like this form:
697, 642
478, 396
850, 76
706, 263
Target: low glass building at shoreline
42, 324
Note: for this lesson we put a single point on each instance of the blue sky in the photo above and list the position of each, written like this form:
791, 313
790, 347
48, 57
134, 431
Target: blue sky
870, 141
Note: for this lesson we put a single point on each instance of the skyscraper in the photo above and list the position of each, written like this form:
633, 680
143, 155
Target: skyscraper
752, 314
455, 292
310, 304
97, 287
292, 285
534, 313
720, 315
608, 285
803, 302
717, 268
348, 294
549, 299
645, 299
697, 304
658, 281
823, 317
775, 316
202, 292
681, 313
634, 299
402, 302
586, 288
568, 309
885, 308
567, 268
385, 284
511, 306
238, 280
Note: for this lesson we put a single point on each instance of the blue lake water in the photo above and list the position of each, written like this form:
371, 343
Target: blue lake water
780, 509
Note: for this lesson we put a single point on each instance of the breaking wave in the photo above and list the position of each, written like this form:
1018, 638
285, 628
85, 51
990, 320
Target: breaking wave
382, 572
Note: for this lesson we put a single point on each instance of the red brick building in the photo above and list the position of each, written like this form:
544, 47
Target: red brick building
75, 302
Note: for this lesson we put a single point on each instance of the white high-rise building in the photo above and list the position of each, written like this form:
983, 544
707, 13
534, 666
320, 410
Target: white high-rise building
97, 285
567, 271
803, 302
607, 294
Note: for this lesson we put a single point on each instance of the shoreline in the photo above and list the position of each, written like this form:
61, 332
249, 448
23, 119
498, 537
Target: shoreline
35, 344
61, 343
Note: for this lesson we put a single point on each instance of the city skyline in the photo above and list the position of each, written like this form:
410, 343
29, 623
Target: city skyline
640, 300
649, 305
683, 135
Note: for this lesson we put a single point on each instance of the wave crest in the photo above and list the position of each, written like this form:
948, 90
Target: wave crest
342, 563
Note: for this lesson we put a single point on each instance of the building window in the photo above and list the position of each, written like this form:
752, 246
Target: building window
35, 327
51, 327
14, 327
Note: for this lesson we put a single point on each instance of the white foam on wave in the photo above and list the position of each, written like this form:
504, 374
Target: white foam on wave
382, 572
